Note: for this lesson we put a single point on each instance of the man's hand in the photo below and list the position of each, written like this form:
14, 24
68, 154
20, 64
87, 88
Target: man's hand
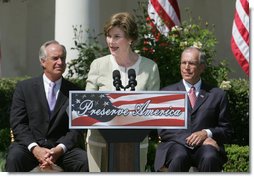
196, 138
47, 157
57, 152
44, 156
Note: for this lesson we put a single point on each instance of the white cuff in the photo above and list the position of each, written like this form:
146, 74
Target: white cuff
63, 147
209, 133
31, 146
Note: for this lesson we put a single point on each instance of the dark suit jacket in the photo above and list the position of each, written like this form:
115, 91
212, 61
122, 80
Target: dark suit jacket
210, 112
30, 120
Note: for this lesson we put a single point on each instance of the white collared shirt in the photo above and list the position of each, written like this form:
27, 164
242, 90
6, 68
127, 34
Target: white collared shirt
46, 83
188, 86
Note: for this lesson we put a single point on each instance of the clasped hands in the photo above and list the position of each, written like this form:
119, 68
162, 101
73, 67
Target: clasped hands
200, 138
47, 157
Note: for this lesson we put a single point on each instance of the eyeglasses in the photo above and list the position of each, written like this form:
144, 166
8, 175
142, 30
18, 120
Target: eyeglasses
190, 63
56, 58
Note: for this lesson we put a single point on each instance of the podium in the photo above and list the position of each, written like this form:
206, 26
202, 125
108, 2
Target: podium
124, 148
124, 119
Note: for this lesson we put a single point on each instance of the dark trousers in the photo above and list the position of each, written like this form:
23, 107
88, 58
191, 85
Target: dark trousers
206, 158
20, 159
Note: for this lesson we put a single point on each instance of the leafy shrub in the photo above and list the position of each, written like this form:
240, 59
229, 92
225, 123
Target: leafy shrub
239, 109
7, 87
238, 159
2, 161
87, 52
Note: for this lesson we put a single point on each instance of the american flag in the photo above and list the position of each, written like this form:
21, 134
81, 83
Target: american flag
240, 34
164, 14
118, 109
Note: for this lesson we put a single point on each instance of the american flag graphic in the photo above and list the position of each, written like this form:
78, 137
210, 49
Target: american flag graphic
127, 109
164, 14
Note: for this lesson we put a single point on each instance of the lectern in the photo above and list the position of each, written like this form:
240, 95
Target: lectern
124, 149
126, 118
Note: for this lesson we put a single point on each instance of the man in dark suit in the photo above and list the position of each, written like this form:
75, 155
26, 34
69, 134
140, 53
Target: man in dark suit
208, 125
41, 132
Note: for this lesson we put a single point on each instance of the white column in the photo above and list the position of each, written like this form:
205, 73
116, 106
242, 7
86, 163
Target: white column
76, 13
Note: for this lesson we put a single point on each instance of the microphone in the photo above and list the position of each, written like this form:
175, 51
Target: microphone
132, 79
117, 79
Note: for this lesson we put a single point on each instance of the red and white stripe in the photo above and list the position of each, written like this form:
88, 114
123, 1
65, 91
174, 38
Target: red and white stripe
164, 14
130, 101
240, 34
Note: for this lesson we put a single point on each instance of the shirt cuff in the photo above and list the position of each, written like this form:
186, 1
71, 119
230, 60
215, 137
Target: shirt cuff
30, 147
209, 133
63, 147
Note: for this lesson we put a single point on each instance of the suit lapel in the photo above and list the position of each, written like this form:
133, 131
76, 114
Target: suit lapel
38, 87
203, 95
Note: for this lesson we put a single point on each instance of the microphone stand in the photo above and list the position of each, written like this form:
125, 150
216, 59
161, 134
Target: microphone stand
125, 155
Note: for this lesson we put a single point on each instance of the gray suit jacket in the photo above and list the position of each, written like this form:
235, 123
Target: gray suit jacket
210, 112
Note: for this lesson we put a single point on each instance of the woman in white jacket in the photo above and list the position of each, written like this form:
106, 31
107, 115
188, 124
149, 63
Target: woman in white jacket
120, 32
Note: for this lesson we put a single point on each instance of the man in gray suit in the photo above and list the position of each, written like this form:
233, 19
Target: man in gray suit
41, 132
208, 125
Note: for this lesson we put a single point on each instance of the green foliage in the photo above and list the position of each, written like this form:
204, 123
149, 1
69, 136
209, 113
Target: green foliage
2, 161
238, 159
5, 138
239, 109
87, 52
7, 87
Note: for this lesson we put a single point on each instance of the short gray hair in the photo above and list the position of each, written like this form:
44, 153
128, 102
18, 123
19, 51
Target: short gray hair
202, 55
43, 52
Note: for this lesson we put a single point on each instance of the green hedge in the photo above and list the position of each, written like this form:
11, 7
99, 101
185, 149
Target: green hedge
238, 158
2, 161
7, 87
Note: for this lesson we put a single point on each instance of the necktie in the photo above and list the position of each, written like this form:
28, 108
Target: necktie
192, 96
51, 96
